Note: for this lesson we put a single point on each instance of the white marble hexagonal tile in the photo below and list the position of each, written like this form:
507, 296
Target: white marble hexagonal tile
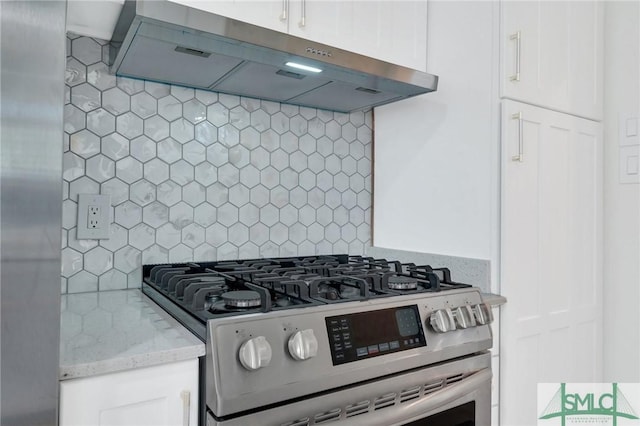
82, 282
193, 235
84, 143
324, 180
239, 195
306, 248
217, 194
259, 195
279, 159
194, 111
349, 199
298, 125
81, 246
218, 114
206, 174
181, 130
144, 105
228, 135
86, 50
84, 185
260, 158
206, 97
315, 233
341, 215
259, 233
129, 169
118, 237
239, 117
249, 214
183, 94
357, 150
363, 232
129, 125
269, 215
364, 199
115, 146
181, 172
100, 168
307, 180
357, 182
288, 215
356, 215
205, 215
100, 77
270, 177
118, 190
324, 146
341, 181
228, 175
298, 161
324, 215
280, 123
71, 262
156, 127
290, 110
239, 156
250, 138
69, 214
227, 251
298, 197
333, 164
308, 113
85, 97
316, 162
249, 176
269, 249
193, 194
74, 119
333, 198
180, 253
333, 130
216, 234
238, 234
127, 259
154, 255
279, 233
181, 214
206, 133
157, 90
98, 260
112, 280
194, 152
128, 214
130, 86
270, 140
316, 128
315, 198
227, 214
75, 73
204, 253
348, 232
101, 122
142, 236
169, 150
168, 235
169, 193
142, 192
248, 251
279, 196
156, 171
142, 148
297, 233
260, 120
357, 118
364, 167
155, 214
73, 166
349, 166
250, 104
341, 148
170, 108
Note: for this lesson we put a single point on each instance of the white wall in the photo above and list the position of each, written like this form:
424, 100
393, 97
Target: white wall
436, 156
621, 201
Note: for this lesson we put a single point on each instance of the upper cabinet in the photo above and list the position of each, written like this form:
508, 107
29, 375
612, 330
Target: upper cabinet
393, 31
552, 55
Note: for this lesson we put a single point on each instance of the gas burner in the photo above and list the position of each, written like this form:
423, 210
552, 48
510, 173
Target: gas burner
241, 299
402, 283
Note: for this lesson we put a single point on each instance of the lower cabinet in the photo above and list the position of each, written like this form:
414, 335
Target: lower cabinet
164, 395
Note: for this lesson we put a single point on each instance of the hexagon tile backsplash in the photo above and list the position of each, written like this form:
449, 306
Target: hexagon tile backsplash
195, 175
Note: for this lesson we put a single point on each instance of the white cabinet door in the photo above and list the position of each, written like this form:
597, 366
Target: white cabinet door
551, 261
264, 13
552, 55
165, 395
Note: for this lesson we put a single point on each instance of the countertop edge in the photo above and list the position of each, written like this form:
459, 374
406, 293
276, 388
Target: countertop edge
493, 299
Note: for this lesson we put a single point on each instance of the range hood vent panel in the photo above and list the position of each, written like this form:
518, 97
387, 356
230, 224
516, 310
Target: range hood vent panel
164, 41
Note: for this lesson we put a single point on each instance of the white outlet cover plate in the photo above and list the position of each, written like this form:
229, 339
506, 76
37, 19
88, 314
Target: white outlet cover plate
103, 202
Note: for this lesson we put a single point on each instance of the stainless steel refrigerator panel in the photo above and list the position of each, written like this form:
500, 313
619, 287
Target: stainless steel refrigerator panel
31, 112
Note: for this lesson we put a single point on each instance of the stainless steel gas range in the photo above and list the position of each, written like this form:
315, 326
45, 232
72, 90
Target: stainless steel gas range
318, 339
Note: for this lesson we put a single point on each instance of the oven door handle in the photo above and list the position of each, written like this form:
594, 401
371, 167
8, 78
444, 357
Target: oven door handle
426, 406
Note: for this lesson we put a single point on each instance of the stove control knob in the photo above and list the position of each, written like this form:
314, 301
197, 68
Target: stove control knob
464, 317
303, 345
255, 353
483, 313
442, 320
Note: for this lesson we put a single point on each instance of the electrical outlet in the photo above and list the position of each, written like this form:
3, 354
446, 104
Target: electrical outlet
93, 217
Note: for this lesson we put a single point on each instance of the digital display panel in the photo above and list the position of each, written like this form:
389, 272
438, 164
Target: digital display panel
368, 334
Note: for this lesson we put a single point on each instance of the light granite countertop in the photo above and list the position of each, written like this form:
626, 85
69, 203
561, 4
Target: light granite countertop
105, 332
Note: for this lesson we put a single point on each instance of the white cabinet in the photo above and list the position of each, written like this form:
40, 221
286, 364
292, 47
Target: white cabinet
164, 395
551, 262
552, 53
393, 31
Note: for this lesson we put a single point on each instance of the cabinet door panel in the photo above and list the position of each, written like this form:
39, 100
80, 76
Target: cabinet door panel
551, 257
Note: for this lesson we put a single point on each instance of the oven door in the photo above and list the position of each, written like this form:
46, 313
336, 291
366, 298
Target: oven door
455, 393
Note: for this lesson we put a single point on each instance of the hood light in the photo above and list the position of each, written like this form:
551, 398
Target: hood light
302, 67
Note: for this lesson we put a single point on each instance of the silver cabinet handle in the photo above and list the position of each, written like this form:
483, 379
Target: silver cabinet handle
303, 14
520, 156
186, 407
517, 37
285, 7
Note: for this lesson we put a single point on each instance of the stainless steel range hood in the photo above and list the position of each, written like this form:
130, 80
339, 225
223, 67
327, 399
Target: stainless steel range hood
172, 43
